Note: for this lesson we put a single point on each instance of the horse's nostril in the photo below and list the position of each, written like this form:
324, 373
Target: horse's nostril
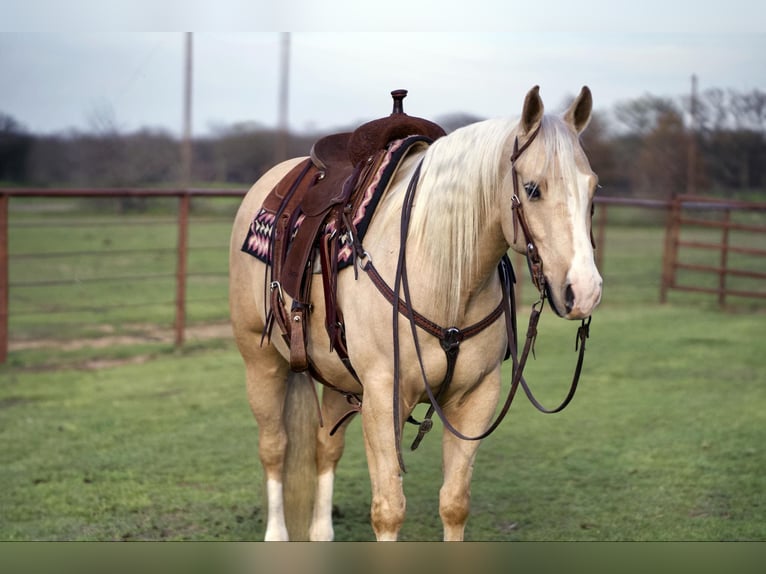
569, 299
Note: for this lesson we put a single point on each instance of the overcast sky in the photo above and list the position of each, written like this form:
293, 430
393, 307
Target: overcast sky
54, 80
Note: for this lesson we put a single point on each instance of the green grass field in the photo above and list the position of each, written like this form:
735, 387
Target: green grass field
664, 441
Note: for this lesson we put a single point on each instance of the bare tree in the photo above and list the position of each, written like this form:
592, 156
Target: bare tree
733, 138
15, 145
642, 115
651, 149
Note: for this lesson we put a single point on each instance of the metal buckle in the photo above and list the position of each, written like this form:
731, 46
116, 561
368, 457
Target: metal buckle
277, 285
451, 339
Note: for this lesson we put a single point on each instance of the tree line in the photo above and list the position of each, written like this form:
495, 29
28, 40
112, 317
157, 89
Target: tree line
641, 147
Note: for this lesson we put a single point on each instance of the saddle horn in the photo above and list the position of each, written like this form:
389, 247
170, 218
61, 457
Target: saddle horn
398, 96
375, 135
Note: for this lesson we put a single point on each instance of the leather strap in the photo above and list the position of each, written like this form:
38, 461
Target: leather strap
278, 250
299, 359
423, 322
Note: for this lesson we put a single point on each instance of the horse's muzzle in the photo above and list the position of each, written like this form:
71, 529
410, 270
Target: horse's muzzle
579, 301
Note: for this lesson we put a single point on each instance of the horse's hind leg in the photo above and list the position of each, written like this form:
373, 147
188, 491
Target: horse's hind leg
329, 452
266, 373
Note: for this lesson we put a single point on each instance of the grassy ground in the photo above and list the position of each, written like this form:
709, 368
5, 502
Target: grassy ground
664, 441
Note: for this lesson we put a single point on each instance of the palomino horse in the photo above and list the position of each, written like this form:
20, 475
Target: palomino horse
469, 189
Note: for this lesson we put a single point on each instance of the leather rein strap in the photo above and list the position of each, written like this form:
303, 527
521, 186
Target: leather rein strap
450, 338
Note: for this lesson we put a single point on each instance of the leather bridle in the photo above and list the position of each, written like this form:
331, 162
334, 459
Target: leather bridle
535, 264
533, 256
450, 338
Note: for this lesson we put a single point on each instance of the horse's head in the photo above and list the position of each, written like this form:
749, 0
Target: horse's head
551, 203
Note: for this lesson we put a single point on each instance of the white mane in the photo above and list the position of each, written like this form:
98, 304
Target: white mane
462, 177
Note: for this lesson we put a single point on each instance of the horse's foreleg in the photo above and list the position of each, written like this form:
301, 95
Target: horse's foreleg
388, 502
329, 452
471, 416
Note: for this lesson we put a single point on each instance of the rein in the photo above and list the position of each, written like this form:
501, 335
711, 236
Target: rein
450, 338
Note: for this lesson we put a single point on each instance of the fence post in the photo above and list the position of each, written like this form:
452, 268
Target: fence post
183, 238
4, 283
724, 257
671, 248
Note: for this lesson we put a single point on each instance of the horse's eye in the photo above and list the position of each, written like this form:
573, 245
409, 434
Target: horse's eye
533, 191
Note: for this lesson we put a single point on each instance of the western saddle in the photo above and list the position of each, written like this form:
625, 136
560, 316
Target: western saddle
313, 207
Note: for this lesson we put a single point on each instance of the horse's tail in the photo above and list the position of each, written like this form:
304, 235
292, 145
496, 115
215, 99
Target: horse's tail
299, 481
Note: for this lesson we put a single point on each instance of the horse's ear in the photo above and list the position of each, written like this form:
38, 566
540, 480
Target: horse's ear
532, 113
578, 114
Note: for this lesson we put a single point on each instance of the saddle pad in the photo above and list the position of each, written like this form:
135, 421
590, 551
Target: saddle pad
260, 231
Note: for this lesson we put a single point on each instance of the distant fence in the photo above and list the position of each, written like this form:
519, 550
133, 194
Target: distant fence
689, 212
183, 196
601, 217
181, 249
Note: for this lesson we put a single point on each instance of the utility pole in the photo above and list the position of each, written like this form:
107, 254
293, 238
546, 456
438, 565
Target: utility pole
280, 151
186, 144
691, 164
184, 204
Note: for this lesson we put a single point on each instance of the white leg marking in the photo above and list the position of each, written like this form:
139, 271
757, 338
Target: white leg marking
388, 537
276, 530
321, 524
